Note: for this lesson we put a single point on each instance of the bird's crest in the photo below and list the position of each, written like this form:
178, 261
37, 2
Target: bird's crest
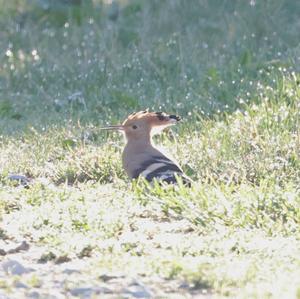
151, 116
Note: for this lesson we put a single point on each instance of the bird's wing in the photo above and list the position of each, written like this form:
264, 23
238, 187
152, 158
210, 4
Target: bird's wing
161, 168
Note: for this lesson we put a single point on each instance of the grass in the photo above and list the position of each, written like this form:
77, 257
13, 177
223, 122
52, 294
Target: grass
231, 70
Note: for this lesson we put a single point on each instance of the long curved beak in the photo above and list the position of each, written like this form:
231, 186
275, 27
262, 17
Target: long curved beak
115, 127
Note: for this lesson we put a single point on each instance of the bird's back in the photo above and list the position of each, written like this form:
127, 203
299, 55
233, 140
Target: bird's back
151, 163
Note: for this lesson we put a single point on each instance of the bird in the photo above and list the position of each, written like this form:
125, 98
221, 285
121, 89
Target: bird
141, 157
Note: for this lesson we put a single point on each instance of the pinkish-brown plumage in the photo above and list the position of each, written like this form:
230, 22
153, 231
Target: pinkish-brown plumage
140, 156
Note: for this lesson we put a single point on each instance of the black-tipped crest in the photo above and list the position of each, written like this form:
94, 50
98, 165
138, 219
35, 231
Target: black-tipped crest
156, 122
163, 116
176, 117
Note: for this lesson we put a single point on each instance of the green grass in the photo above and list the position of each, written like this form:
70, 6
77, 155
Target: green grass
230, 69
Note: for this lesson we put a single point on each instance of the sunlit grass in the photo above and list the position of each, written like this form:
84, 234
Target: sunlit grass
236, 223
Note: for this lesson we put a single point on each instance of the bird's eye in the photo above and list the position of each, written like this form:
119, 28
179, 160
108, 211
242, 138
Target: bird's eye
134, 127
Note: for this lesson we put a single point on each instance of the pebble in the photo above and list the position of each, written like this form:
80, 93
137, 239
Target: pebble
14, 268
105, 277
137, 290
71, 271
21, 179
34, 295
184, 285
20, 285
87, 292
82, 292
37, 295
62, 259
13, 248
22, 247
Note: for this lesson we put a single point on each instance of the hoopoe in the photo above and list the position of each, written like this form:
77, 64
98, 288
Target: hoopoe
140, 156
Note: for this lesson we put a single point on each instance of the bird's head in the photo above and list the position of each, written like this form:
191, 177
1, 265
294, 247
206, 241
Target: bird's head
144, 124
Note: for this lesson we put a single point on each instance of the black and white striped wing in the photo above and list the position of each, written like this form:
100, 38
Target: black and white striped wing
160, 168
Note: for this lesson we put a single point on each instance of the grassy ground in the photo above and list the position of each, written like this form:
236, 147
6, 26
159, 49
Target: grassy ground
230, 69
